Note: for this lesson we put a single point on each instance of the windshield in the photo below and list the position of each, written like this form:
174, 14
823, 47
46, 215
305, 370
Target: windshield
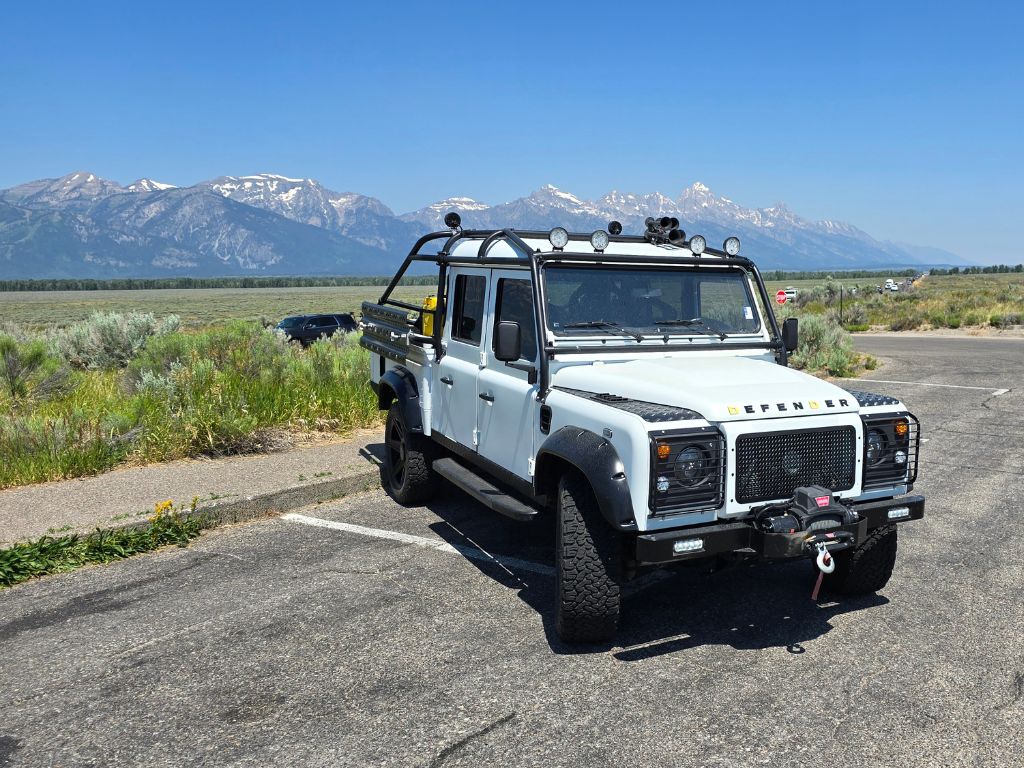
649, 300
291, 322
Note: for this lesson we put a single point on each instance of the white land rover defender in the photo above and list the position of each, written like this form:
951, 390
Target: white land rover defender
639, 388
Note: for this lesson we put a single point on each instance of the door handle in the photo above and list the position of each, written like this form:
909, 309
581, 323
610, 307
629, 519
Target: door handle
447, 380
487, 396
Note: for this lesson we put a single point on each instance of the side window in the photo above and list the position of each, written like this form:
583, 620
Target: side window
324, 321
515, 302
468, 311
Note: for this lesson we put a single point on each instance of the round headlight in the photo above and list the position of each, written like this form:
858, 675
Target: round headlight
876, 448
731, 246
691, 467
599, 239
698, 244
558, 237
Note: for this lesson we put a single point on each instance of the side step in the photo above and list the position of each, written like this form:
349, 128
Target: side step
483, 491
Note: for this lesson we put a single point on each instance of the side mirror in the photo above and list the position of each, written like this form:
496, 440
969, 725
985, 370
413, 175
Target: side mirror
508, 341
789, 334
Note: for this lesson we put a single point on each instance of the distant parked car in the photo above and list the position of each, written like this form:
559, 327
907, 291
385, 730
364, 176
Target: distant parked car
306, 329
790, 293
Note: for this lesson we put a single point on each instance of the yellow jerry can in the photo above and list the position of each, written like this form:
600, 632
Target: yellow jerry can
427, 315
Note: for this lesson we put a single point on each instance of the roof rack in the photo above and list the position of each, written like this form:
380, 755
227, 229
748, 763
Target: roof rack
535, 258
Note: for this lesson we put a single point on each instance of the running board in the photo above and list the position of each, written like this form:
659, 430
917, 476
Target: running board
483, 491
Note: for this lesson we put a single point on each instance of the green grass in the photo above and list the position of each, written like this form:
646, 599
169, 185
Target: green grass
196, 307
59, 554
225, 390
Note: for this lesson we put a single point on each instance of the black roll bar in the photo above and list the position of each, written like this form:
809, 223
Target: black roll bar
536, 258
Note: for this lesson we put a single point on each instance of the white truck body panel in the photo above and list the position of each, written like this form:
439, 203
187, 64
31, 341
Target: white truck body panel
738, 391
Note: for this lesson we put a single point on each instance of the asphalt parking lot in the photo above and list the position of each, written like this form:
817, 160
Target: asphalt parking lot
360, 633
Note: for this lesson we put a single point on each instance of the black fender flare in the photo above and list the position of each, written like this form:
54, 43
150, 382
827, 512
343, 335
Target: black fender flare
399, 384
599, 462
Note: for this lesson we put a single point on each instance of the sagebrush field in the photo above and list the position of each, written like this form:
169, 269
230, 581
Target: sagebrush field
93, 379
120, 388
935, 301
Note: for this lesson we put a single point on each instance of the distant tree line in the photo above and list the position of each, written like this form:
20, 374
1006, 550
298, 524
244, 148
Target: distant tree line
151, 283
779, 274
134, 284
993, 270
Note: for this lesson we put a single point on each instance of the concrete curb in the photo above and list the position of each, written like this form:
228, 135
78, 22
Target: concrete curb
269, 504
285, 499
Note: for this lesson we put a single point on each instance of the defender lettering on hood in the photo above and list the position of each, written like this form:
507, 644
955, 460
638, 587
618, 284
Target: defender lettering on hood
793, 406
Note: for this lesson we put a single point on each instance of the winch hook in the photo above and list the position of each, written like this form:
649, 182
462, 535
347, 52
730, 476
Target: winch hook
825, 562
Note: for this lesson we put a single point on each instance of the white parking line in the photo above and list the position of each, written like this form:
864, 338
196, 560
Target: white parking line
995, 393
473, 553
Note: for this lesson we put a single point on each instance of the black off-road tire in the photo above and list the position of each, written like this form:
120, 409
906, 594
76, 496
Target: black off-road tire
589, 565
867, 568
406, 472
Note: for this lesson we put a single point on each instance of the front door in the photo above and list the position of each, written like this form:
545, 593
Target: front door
455, 383
508, 407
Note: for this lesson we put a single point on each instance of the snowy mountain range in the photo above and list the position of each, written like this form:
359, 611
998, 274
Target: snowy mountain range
81, 225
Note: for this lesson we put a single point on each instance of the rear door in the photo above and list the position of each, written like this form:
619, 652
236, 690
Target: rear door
508, 407
454, 400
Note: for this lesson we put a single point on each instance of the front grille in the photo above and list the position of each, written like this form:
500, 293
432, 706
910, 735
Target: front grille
771, 465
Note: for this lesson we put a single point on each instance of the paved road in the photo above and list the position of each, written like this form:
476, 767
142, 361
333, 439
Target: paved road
285, 643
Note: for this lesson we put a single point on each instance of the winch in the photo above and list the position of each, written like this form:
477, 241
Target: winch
813, 509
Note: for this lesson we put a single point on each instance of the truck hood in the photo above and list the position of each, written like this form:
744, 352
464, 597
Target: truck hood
719, 388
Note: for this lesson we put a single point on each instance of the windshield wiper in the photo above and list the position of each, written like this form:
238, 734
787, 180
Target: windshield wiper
697, 323
606, 324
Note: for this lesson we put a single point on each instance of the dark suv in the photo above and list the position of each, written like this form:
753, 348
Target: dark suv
308, 328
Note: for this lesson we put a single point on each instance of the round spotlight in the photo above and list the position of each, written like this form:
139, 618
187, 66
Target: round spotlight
731, 246
665, 222
875, 453
651, 224
698, 244
452, 220
691, 466
599, 239
676, 236
614, 228
558, 237
673, 223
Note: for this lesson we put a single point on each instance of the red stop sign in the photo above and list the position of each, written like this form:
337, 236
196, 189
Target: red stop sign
780, 297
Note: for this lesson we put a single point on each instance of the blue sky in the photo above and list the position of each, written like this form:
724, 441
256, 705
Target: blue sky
903, 118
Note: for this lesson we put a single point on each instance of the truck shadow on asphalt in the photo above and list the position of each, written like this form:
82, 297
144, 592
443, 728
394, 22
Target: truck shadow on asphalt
664, 611
8, 747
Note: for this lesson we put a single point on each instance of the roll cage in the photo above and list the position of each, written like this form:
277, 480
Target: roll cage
536, 257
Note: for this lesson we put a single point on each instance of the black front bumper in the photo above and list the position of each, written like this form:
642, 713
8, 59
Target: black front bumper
743, 539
